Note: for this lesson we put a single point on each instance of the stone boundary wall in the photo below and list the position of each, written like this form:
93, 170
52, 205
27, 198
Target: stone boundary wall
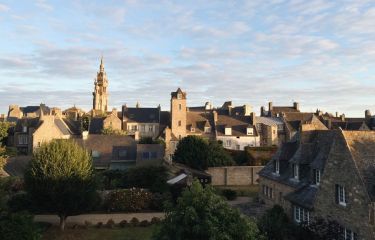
234, 175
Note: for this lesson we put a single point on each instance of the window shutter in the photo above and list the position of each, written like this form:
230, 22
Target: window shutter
337, 193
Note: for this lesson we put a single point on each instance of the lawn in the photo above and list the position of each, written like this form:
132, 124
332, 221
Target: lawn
127, 233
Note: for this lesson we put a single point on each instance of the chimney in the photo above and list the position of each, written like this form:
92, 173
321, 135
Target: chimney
342, 116
252, 118
367, 114
329, 124
270, 106
337, 114
230, 110
215, 116
262, 111
296, 106
114, 111
247, 110
137, 105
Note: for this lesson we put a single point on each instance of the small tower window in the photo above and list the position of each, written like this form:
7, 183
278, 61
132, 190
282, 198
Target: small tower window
179, 96
179, 107
179, 123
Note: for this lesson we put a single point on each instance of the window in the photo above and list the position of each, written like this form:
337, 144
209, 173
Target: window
228, 143
316, 173
134, 127
340, 195
179, 107
347, 234
267, 191
264, 190
24, 129
122, 153
23, 139
151, 128
250, 131
179, 123
95, 154
237, 147
295, 171
153, 155
228, 131
145, 155
179, 96
301, 215
143, 128
277, 166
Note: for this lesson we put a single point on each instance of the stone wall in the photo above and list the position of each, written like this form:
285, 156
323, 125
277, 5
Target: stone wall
234, 175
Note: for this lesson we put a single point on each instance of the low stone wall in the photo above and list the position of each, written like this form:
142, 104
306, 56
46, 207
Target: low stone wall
234, 175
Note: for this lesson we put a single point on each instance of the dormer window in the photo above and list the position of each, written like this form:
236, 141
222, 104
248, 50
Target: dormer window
316, 173
250, 131
295, 171
207, 129
228, 131
277, 166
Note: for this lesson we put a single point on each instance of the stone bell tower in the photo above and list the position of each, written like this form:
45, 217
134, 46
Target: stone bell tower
100, 101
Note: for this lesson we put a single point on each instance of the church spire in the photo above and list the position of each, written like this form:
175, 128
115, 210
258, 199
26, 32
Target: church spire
101, 64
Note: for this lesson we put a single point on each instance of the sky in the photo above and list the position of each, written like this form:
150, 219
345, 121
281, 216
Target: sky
319, 53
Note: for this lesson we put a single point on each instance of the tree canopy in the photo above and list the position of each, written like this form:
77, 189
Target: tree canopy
60, 179
4, 127
199, 153
201, 214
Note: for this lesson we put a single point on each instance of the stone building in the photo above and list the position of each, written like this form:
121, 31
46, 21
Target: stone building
100, 100
327, 174
111, 121
16, 112
277, 111
340, 121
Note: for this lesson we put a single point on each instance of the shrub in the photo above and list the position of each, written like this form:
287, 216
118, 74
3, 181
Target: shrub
124, 223
88, 224
155, 220
144, 223
20, 202
229, 194
18, 226
129, 200
158, 201
110, 223
99, 225
134, 222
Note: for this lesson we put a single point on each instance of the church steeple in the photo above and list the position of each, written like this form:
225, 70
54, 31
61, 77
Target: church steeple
100, 101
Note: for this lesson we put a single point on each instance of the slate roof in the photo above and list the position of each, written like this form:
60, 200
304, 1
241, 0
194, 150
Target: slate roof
141, 115
32, 109
174, 94
29, 122
270, 121
62, 126
362, 146
199, 120
74, 126
96, 125
305, 196
239, 125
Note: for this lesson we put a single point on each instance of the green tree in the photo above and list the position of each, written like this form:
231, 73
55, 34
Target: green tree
18, 226
4, 127
198, 153
217, 156
201, 214
111, 131
85, 122
275, 224
60, 179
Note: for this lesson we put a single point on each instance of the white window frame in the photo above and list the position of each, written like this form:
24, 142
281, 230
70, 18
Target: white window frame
316, 177
207, 129
277, 166
151, 128
228, 143
295, 171
143, 128
250, 131
341, 195
301, 215
24, 129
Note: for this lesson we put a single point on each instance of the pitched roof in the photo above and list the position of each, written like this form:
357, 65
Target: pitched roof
362, 146
29, 122
270, 121
96, 125
198, 121
239, 125
141, 115
32, 109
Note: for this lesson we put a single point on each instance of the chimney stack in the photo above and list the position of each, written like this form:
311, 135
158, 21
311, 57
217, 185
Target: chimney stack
367, 114
215, 116
296, 106
270, 106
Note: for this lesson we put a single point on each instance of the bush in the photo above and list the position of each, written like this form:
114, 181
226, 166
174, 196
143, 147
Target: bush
128, 200
134, 222
88, 224
99, 225
18, 226
158, 201
20, 202
124, 223
110, 223
229, 194
144, 223
155, 220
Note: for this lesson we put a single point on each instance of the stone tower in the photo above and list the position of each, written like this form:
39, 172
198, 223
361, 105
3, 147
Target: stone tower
178, 113
100, 101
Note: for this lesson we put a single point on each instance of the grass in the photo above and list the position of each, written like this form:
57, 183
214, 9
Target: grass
127, 233
243, 191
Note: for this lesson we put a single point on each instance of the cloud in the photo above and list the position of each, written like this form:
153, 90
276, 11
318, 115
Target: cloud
4, 8
44, 5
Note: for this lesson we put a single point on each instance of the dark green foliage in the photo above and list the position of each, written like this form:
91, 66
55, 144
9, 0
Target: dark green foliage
18, 226
60, 179
197, 153
110, 223
275, 224
159, 199
20, 202
4, 127
85, 122
229, 194
153, 178
128, 200
134, 222
201, 214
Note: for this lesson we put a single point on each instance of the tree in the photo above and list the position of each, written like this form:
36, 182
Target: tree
275, 224
218, 156
14, 226
201, 214
85, 122
4, 127
198, 153
111, 131
60, 179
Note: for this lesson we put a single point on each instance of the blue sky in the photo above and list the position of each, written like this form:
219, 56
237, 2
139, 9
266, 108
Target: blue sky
319, 53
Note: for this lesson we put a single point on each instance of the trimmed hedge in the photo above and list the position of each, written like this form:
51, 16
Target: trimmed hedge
128, 200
